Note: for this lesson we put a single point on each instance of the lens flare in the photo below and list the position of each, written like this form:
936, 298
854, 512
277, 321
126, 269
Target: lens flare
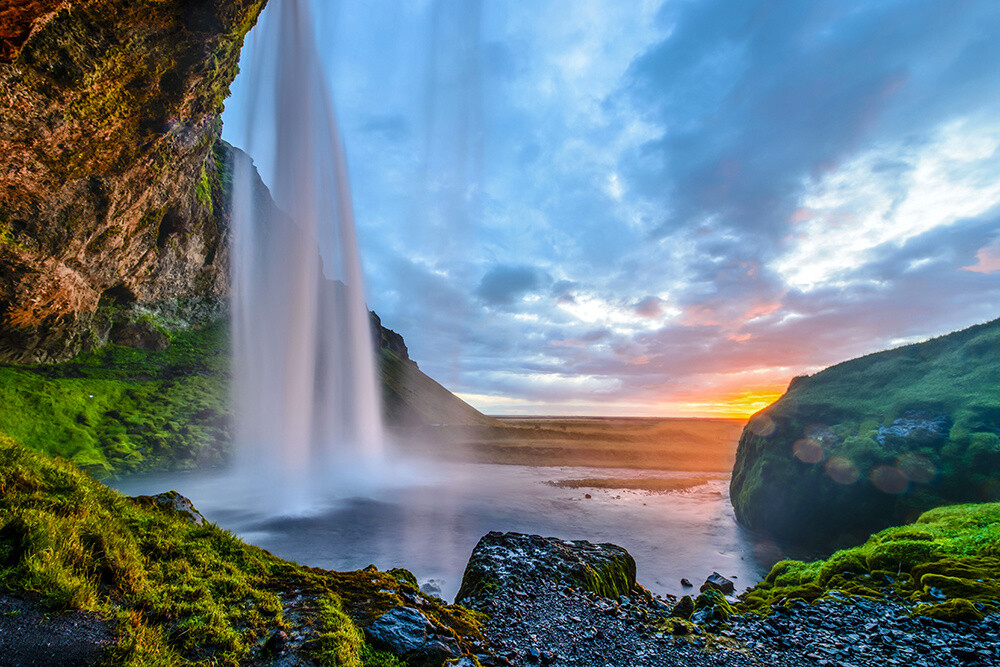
807, 450
761, 425
841, 470
917, 468
890, 479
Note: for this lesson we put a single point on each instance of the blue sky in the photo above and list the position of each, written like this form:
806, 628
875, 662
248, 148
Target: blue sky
666, 208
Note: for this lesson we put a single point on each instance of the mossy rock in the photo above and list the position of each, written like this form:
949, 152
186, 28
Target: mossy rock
683, 609
965, 567
951, 610
404, 576
957, 587
840, 563
513, 560
950, 549
712, 605
899, 556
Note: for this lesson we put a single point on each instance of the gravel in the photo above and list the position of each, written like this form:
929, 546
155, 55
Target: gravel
554, 625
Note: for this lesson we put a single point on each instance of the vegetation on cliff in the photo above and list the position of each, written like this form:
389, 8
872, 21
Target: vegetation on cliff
122, 409
110, 189
947, 563
181, 593
875, 441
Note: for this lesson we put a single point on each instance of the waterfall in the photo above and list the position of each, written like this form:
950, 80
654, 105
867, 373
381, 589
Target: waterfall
306, 396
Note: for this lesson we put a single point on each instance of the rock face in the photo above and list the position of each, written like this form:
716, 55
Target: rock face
875, 441
111, 171
505, 560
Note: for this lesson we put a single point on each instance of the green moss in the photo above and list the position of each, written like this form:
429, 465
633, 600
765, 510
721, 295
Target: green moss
898, 556
612, 580
203, 190
714, 605
122, 409
954, 550
403, 576
952, 610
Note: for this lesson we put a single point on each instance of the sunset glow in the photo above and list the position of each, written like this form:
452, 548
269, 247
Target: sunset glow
607, 213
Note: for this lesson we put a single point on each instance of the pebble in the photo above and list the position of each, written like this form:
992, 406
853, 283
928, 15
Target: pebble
565, 628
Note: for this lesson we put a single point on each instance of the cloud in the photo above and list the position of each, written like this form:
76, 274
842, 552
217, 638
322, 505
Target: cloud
650, 306
504, 284
987, 259
669, 199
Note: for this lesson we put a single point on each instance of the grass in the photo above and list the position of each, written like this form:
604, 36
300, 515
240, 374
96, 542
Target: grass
121, 409
179, 593
836, 490
950, 552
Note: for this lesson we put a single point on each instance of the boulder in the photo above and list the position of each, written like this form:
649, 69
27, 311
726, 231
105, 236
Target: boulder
173, 502
717, 582
684, 608
502, 560
409, 634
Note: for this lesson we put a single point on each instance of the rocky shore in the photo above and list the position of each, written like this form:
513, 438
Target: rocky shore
539, 614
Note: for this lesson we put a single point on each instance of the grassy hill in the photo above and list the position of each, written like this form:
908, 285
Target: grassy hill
122, 409
875, 441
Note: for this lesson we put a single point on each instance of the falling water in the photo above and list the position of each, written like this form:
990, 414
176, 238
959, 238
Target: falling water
307, 407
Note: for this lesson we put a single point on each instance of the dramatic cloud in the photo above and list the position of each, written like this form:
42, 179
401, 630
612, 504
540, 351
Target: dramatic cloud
668, 207
503, 284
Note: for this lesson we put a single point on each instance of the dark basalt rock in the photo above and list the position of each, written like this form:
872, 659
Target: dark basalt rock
140, 335
914, 429
408, 633
718, 582
502, 560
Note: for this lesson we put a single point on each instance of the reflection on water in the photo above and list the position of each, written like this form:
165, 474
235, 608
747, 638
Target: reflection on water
428, 520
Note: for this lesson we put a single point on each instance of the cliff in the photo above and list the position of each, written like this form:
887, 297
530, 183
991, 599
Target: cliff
110, 187
875, 441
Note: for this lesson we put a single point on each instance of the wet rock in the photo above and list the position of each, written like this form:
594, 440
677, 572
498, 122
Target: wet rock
686, 583
718, 582
140, 335
408, 633
174, 502
684, 608
510, 560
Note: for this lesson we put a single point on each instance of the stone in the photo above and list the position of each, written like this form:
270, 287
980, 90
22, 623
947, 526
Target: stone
140, 335
174, 502
684, 608
718, 582
408, 633
508, 560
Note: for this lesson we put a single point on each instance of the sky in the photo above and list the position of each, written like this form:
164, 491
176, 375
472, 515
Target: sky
670, 208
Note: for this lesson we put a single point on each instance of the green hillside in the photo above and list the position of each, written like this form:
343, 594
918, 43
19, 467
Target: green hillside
122, 409
875, 441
